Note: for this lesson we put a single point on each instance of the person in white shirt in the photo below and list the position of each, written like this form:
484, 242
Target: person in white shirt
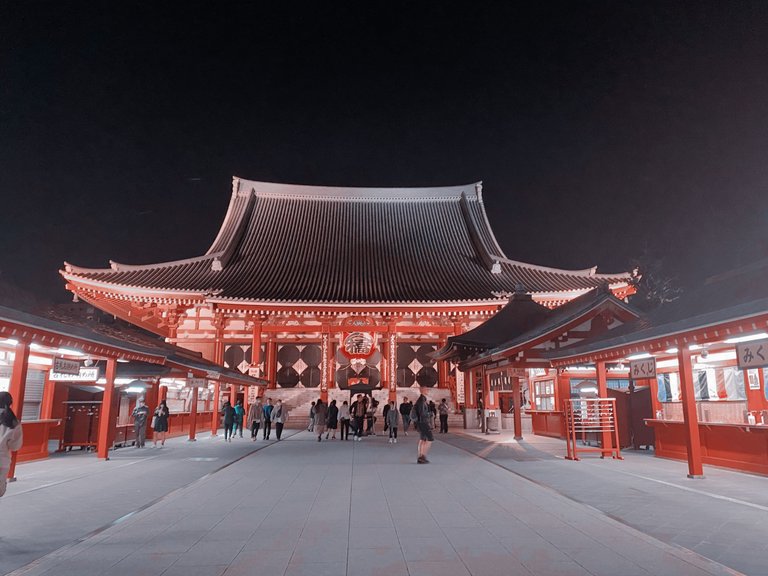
11, 437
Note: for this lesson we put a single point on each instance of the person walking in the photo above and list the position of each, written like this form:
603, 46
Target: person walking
228, 412
321, 415
160, 423
279, 416
424, 425
405, 412
333, 420
11, 437
371, 417
255, 416
140, 414
393, 419
442, 410
344, 419
358, 410
311, 423
237, 426
267, 421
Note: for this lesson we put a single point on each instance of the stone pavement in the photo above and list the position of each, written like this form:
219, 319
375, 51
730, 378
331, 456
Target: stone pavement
303, 507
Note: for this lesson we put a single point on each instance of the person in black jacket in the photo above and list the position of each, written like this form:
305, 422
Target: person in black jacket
333, 420
228, 412
405, 412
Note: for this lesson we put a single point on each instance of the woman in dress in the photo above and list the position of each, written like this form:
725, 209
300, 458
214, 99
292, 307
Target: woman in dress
160, 423
321, 414
333, 419
11, 437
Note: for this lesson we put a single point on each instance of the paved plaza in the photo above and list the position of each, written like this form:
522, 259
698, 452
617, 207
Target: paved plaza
481, 507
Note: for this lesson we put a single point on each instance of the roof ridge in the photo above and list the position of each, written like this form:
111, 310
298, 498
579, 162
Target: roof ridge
590, 272
120, 267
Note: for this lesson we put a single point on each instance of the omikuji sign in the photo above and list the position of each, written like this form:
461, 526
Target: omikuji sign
752, 354
642, 368
64, 366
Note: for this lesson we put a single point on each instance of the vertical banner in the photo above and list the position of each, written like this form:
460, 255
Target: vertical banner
459, 386
324, 366
392, 358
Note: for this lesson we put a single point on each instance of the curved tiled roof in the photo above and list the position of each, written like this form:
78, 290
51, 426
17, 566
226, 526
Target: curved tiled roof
290, 243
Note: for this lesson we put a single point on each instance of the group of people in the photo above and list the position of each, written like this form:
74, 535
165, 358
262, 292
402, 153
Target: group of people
159, 423
260, 416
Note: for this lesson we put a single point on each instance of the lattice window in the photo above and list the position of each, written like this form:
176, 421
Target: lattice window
238, 357
298, 365
415, 366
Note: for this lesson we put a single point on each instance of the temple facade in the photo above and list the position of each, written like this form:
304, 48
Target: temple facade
327, 290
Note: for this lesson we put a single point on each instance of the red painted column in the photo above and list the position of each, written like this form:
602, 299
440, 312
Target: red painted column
602, 392
152, 399
108, 413
442, 368
49, 389
518, 408
193, 415
215, 409
271, 363
690, 419
17, 388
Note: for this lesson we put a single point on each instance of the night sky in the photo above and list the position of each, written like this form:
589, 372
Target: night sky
602, 131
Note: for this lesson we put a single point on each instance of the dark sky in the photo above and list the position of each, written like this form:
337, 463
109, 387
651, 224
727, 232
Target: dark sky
600, 130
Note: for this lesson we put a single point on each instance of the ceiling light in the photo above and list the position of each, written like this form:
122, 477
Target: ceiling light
740, 339
671, 351
640, 356
695, 347
123, 360
11, 342
69, 352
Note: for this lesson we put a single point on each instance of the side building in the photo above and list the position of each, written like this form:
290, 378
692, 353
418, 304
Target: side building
325, 291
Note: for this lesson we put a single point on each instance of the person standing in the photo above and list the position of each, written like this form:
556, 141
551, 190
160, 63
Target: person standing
344, 419
311, 423
333, 420
424, 425
405, 412
442, 410
11, 437
371, 417
279, 417
228, 412
255, 416
160, 423
321, 415
393, 419
384, 412
267, 421
237, 426
140, 414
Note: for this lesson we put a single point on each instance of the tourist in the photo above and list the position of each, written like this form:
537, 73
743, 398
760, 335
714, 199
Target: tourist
267, 421
405, 412
333, 420
228, 412
424, 425
344, 418
392, 421
371, 417
311, 424
11, 437
140, 415
384, 415
321, 415
279, 416
160, 423
358, 410
442, 409
255, 416
237, 426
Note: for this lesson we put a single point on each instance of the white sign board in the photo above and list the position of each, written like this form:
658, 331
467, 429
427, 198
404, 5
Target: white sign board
84, 375
460, 386
253, 394
642, 368
754, 379
752, 354
64, 366
197, 382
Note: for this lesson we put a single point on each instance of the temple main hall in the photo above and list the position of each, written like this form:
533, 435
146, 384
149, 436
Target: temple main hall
325, 291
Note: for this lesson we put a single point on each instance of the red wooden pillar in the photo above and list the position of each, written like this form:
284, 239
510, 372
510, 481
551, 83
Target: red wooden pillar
108, 412
193, 415
49, 389
152, 399
271, 363
163, 393
442, 368
518, 408
215, 408
602, 392
690, 419
17, 388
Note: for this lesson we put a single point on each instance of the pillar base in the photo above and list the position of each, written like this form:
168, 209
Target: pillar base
13, 479
191, 439
518, 438
696, 476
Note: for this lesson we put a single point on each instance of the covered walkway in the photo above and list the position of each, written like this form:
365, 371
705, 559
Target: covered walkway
303, 507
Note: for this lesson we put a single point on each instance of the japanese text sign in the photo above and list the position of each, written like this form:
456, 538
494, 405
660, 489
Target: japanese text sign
752, 354
642, 368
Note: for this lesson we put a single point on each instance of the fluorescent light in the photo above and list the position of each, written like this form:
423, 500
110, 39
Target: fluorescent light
695, 347
121, 381
589, 389
640, 356
40, 360
719, 356
667, 363
134, 390
11, 341
69, 352
740, 339
671, 351
123, 360
36, 346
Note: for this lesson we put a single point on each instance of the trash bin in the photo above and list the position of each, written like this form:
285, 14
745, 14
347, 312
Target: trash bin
491, 422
